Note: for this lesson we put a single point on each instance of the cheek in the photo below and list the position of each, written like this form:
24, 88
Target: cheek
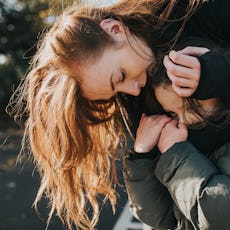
135, 66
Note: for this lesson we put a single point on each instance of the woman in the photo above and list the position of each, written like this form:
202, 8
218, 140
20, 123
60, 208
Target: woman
177, 187
84, 62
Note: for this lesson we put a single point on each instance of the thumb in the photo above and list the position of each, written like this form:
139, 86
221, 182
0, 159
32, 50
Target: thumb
163, 120
182, 126
174, 122
194, 51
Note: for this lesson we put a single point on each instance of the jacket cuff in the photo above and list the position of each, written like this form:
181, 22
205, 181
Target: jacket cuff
137, 169
214, 76
132, 155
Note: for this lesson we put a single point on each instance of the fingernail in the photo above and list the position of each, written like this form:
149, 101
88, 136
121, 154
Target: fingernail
172, 52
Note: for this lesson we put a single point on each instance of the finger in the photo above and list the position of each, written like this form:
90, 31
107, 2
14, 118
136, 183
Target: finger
178, 70
160, 120
164, 120
183, 59
172, 123
183, 92
194, 50
143, 115
182, 82
182, 126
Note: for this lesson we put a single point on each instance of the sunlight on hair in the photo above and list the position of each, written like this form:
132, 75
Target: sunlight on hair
73, 140
100, 2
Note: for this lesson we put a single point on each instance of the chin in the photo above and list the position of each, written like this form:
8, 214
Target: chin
137, 93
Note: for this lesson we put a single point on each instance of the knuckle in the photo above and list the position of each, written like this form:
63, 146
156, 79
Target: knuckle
176, 56
188, 49
196, 63
181, 93
172, 69
195, 77
176, 81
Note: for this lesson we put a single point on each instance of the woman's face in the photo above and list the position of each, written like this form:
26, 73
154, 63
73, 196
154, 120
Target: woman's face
173, 104
121, 68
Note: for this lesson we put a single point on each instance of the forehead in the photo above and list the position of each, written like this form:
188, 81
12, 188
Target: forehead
167, 97
95, 77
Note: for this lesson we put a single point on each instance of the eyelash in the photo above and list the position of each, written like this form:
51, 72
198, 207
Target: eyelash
123, 75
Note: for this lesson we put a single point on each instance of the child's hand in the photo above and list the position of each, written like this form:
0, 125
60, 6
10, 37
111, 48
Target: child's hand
184, 69
172, 133
149, 131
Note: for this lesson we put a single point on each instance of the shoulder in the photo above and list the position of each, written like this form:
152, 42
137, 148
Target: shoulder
217, 10
210, 20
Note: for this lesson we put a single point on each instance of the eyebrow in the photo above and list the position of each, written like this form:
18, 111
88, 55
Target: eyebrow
111, 82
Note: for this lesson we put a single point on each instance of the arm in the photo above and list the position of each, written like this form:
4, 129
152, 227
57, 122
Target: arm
210, 71
199, 189
215, 76
204, 74
149, 200
215, 65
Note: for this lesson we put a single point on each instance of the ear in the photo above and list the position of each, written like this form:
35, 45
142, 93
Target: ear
114, 28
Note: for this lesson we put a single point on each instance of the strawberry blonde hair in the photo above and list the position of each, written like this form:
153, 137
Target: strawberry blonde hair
72, 140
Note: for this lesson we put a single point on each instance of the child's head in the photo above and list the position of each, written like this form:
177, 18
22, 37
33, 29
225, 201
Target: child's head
188, 110
183, 109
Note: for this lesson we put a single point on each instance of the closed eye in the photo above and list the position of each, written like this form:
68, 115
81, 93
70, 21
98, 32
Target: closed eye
123, 75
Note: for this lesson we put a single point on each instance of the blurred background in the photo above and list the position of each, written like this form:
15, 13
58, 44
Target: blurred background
21, 24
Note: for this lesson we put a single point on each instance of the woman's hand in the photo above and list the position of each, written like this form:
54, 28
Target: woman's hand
184, 69
172, 133
149, 131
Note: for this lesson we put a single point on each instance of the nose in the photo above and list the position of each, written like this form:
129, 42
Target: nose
134, 88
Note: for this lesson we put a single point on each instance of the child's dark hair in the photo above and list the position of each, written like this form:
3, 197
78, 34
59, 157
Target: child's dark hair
221, 115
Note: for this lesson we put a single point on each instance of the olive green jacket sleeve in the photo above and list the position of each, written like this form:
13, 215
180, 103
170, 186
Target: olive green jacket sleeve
149, 200
199, 188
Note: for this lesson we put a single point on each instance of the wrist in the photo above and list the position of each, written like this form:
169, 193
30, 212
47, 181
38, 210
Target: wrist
133, 155
165, 148
140, 148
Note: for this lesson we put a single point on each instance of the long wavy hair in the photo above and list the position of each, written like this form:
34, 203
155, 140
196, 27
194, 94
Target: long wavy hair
73, 140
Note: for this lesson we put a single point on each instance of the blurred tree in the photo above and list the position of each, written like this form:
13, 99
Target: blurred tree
21, 22
19, 26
